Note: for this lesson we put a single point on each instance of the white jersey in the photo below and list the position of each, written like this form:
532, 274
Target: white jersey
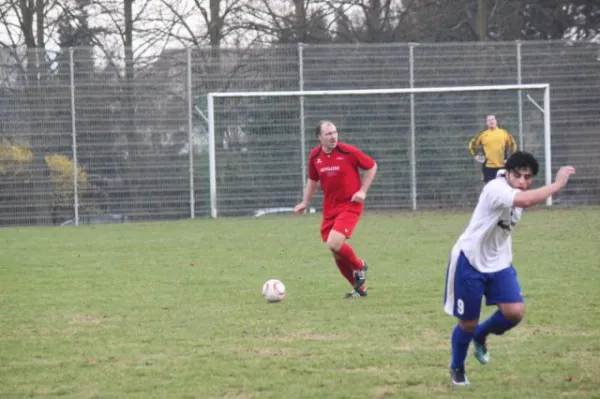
486, 242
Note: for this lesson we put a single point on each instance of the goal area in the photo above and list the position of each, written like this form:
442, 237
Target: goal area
259, 142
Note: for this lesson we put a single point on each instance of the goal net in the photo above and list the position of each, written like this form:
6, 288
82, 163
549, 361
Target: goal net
259, 142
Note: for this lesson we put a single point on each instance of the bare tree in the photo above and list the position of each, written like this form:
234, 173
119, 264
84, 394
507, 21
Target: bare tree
220, 20
302, 21
480, 20
30, 24
374, 21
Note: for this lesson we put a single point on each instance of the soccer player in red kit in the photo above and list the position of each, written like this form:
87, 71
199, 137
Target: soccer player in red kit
336, 166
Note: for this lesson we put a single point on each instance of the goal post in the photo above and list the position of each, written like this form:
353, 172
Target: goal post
261, 135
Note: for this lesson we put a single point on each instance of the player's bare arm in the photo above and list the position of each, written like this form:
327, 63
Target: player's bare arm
525, 199
309, 191
361, 194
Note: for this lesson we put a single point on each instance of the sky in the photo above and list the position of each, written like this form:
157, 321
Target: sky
154, 15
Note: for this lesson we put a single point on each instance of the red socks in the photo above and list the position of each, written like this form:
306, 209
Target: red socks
344, 269
349, 257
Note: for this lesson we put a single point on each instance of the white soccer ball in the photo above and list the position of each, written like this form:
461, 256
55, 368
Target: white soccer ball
273, 290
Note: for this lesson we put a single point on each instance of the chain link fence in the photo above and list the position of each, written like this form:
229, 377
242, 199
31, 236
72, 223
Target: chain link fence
82, 143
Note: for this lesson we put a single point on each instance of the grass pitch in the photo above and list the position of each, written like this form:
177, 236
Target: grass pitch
174, 310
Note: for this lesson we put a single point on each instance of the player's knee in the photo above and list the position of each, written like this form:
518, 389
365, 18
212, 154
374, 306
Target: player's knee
335, 242
468, 325
513, 312
334, 246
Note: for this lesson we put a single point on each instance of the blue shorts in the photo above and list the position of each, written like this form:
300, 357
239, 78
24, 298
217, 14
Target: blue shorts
466, 286
489, 174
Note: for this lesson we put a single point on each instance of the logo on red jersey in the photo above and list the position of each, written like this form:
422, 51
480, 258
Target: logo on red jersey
329, 169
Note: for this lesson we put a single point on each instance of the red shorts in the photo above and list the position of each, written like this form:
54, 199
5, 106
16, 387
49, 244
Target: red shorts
343, 222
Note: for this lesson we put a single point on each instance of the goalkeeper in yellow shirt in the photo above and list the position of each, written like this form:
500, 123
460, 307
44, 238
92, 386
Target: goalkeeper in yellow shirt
497, 144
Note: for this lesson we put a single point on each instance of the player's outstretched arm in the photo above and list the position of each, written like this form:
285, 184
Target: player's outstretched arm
525, 199
309, 191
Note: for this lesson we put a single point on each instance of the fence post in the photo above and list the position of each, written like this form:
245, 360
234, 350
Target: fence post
74, 137
212, 158
520, 94
547, 143
302, 126
413, 152
190, 132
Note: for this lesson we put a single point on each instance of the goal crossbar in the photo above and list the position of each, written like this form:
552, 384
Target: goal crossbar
545, 87
358, 92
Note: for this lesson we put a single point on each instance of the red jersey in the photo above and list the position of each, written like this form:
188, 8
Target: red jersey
339, 176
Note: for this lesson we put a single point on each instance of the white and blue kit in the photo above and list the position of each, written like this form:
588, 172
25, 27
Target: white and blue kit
481, 260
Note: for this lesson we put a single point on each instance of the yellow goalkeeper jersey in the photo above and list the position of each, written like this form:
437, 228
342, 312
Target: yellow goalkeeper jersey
495, 143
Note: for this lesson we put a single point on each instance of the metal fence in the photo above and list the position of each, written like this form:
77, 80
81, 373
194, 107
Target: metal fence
140, 147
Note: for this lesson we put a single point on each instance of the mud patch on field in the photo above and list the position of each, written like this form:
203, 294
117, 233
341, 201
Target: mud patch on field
307, 336
384, 392
86, 319
273, 352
